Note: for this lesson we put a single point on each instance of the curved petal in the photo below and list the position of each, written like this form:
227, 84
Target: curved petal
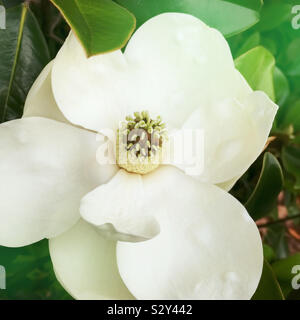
208, 247
120, 209
46, 168
234, 133
173, 64
182, 63
40, 101
85, 264
91, 92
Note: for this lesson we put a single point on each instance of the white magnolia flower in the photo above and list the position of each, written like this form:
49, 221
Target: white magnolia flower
200, 241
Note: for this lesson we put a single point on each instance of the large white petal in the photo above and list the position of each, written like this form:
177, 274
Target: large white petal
91, 92
46, 168
173, 64
234, 134
120, 209
85, 264
40, 101
208, 247
183, 64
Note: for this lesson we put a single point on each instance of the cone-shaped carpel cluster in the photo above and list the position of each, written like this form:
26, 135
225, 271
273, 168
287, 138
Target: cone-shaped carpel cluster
140, 143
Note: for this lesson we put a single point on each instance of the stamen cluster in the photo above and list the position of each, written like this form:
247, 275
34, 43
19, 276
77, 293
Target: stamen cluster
140, 142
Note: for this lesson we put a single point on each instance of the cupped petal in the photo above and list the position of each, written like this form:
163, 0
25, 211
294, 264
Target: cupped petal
46, 168
120, 209
234, 133
173, 64
182, 64
40, 101
91, 92
208, 246
85, 264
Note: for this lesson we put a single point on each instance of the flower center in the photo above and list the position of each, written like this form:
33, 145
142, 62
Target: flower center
140, 143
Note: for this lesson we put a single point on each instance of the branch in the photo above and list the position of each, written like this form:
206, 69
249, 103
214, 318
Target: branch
265, 225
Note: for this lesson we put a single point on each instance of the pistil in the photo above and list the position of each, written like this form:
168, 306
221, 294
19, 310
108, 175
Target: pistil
140, 143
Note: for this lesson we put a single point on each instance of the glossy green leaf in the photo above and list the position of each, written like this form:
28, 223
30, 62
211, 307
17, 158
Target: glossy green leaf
24, 53
269, 253
264, 197
251, 42
282, 88
268, 288
276, 238
291, 161
291, 116
273, 13
257, 66
287, 272
293, 57
269, 43
283, 268
228, 17
29, 273
251, 4
101, 25
11, 3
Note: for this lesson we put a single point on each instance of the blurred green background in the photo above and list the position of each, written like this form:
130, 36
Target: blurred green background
264, 37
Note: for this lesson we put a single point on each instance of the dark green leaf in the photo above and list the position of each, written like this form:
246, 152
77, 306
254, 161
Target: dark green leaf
257, 66
273, 13
286, 270
100, 25
24, 53
269, 253
54, 26
268, 288
11, 3
29, 273
291, 161
291, 116
228, 17
276, 238
264, 197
